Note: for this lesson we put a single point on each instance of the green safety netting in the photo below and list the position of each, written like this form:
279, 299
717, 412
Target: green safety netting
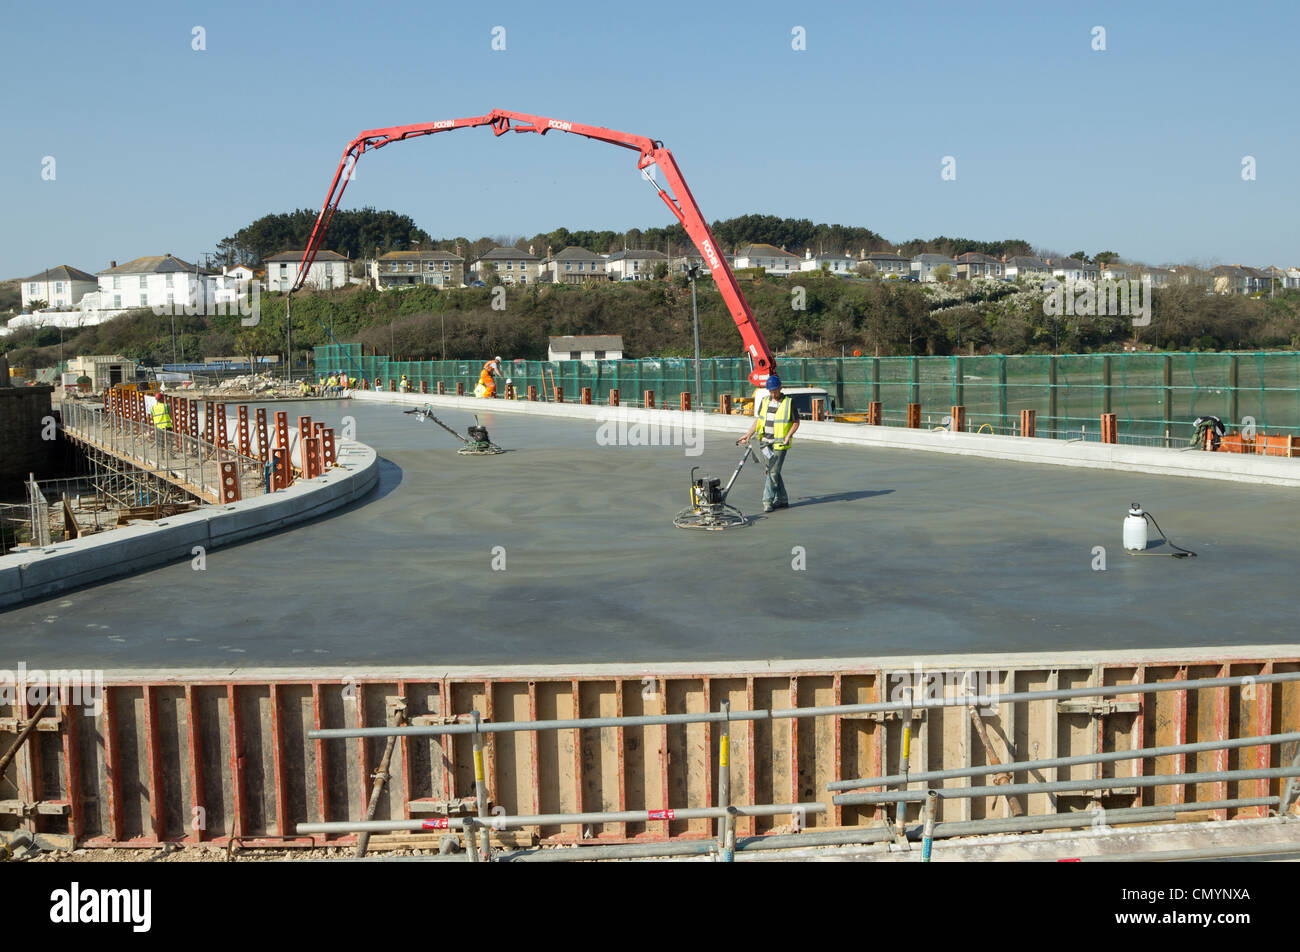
1156, 397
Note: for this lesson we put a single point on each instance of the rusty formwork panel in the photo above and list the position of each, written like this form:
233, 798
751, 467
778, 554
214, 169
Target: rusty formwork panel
204, 761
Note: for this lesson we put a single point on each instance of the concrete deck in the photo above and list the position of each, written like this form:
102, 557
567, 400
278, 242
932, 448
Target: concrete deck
907, 553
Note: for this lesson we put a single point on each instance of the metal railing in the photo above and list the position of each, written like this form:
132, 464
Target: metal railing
189, 462
898, 799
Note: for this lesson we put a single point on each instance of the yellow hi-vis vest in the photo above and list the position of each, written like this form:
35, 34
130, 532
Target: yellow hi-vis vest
162, 416
780, 425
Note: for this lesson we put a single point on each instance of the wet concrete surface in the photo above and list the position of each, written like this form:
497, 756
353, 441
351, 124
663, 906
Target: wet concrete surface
563, 551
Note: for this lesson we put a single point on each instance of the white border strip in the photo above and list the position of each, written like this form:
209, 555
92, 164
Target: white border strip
1151, 461
30, 574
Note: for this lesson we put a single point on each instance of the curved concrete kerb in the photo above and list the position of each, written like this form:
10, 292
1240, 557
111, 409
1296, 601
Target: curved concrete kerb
32, 573
1260, 470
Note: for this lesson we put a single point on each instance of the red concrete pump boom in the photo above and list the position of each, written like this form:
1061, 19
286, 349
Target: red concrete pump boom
652, 152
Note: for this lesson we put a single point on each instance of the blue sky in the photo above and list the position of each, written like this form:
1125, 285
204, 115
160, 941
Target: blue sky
1136, 149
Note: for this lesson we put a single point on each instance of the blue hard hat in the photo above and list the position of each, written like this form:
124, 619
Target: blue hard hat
773, 382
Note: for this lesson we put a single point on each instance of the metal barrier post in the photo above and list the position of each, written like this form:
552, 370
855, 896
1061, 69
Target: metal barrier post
913, 416
900, 817
927, 835
726, 831
480, 786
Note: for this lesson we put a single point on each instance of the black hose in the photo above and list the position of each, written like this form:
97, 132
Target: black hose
1181, 553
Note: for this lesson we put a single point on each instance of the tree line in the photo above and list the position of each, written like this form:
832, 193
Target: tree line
360, 233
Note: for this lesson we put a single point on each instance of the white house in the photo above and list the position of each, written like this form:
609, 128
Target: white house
573, 266
1072, 269
63, 286
925, 265
155, 281
512, 265
1292, 278
637, 265
593, 347
775, 260
835, 264
329, 270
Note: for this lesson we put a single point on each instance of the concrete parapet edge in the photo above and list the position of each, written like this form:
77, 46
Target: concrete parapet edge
759, 667
1195, 464
29, 574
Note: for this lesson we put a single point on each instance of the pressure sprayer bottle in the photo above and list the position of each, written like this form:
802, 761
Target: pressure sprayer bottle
1135, 529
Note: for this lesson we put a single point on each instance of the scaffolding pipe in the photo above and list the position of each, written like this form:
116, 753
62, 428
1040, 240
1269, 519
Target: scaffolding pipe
1209, 852
559, 819
1065, 786
853, 837
1055, 821
648, 720
1022, 766
725, 835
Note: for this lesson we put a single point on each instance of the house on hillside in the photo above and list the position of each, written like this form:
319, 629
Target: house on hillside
63, 286
395, 269
573, 266
1073, 269
776, 261
972, 265
593, 347
512, 265
887, 263
925, 265
1238, 279
826, 261
329, 270
634, 265
1027, 266
153, 281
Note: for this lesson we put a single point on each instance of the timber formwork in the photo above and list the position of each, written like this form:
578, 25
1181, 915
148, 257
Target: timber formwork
202, 760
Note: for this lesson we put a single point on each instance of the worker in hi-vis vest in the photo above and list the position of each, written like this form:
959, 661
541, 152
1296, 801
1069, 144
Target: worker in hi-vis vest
775, 423
161, 414
487, 384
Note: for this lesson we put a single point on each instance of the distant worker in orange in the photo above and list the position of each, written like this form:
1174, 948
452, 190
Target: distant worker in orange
487, 384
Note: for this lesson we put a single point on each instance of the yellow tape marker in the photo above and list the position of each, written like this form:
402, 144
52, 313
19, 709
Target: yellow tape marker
907, 743
723, 749
478, 766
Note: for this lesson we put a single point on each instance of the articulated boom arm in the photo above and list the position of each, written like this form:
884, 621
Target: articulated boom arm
652, 153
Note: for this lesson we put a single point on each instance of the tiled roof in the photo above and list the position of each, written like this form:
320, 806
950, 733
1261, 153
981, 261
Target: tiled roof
590, 342
63, 272
155, 264
296, 256
508, 254
643, 255
763, 251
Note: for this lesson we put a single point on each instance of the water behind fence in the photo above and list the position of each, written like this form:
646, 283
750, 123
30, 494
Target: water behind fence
1156, 397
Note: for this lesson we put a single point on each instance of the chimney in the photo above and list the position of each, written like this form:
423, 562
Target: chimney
112, 264
807, 253
1004, 259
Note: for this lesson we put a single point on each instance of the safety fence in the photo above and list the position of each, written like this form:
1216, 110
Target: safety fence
1156, 397
207, 470
672, 763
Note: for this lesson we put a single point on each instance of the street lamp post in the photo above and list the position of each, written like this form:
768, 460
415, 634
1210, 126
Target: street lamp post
693, 271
